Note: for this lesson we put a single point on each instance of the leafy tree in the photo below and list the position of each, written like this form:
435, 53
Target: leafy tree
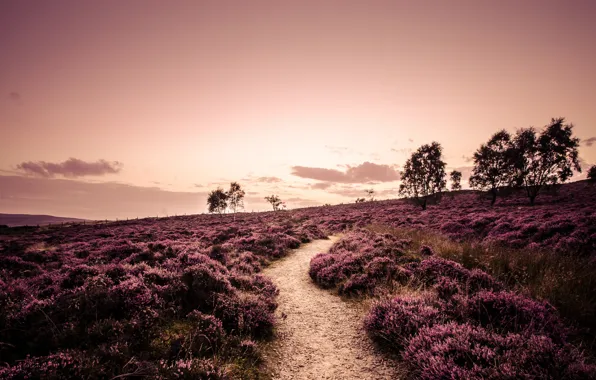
455, 177
545, 159
217, 201
235, 196
360, 200
371, 194
493, 165
275, 202
592, 173
423, 176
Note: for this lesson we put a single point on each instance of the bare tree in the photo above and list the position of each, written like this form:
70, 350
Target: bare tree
423, 176
545, 159
455, 177
371, 194
493, 165
235, 197
276, 203
217, 201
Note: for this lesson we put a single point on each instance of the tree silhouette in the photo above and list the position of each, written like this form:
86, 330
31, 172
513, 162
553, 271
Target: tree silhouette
592, 173
235, 197
423, 176
217, 201
371, 194
493, 165
455, 177
275, 202
545, 159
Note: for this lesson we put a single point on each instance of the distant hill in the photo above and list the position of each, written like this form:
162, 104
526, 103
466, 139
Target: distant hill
13, 220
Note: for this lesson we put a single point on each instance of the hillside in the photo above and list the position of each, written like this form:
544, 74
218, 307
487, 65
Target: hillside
185, 296
13, 220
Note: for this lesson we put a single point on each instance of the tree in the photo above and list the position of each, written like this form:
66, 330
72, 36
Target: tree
217, 201
423, 176
275, 202
545, 159
592, 173
371, 194
235, 197
360, 200
493, 165
455, 177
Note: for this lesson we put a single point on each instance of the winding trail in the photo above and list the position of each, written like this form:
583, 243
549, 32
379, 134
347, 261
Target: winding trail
319, 336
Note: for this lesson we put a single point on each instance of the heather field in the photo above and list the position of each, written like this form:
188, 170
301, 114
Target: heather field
460, 290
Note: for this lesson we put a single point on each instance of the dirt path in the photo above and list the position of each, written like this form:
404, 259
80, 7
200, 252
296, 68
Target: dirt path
321, 335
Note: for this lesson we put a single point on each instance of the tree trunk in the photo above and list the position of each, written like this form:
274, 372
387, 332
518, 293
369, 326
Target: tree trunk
494, 198
532, 199
424, 204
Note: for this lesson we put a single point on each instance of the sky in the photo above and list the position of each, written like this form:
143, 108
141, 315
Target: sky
114, 109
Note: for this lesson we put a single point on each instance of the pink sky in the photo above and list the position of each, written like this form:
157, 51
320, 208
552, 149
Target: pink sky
113, 109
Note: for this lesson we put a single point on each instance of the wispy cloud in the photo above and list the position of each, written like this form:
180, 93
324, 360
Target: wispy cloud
365, 172
404, 151
339, 150
268, 179
589, 141
71, 168
321, 185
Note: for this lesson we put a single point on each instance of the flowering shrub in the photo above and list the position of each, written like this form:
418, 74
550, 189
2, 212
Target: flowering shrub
393, 322
425, 250
510, 312
152, 299
359, 262
191, 369
111, 291
63, 365
563, 221
464, 351
463, 326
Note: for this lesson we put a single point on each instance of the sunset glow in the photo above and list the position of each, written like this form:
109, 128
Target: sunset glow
116, 109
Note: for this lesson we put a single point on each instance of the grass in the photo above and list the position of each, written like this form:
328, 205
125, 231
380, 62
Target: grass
567, 282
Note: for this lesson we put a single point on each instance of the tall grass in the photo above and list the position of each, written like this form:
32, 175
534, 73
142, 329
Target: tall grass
567, 282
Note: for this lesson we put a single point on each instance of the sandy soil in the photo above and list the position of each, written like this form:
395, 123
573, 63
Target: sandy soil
319, 336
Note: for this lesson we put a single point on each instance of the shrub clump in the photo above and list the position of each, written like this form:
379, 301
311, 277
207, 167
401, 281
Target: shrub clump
393, 322
508, 312
465, 351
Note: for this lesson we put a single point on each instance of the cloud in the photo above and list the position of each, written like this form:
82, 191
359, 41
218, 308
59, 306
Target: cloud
404, 151
337, 149
268, 179
79, 199
301, 202
71, 168
321, 185
411, 140
589, 141
467, 159
198, 185
365, 172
